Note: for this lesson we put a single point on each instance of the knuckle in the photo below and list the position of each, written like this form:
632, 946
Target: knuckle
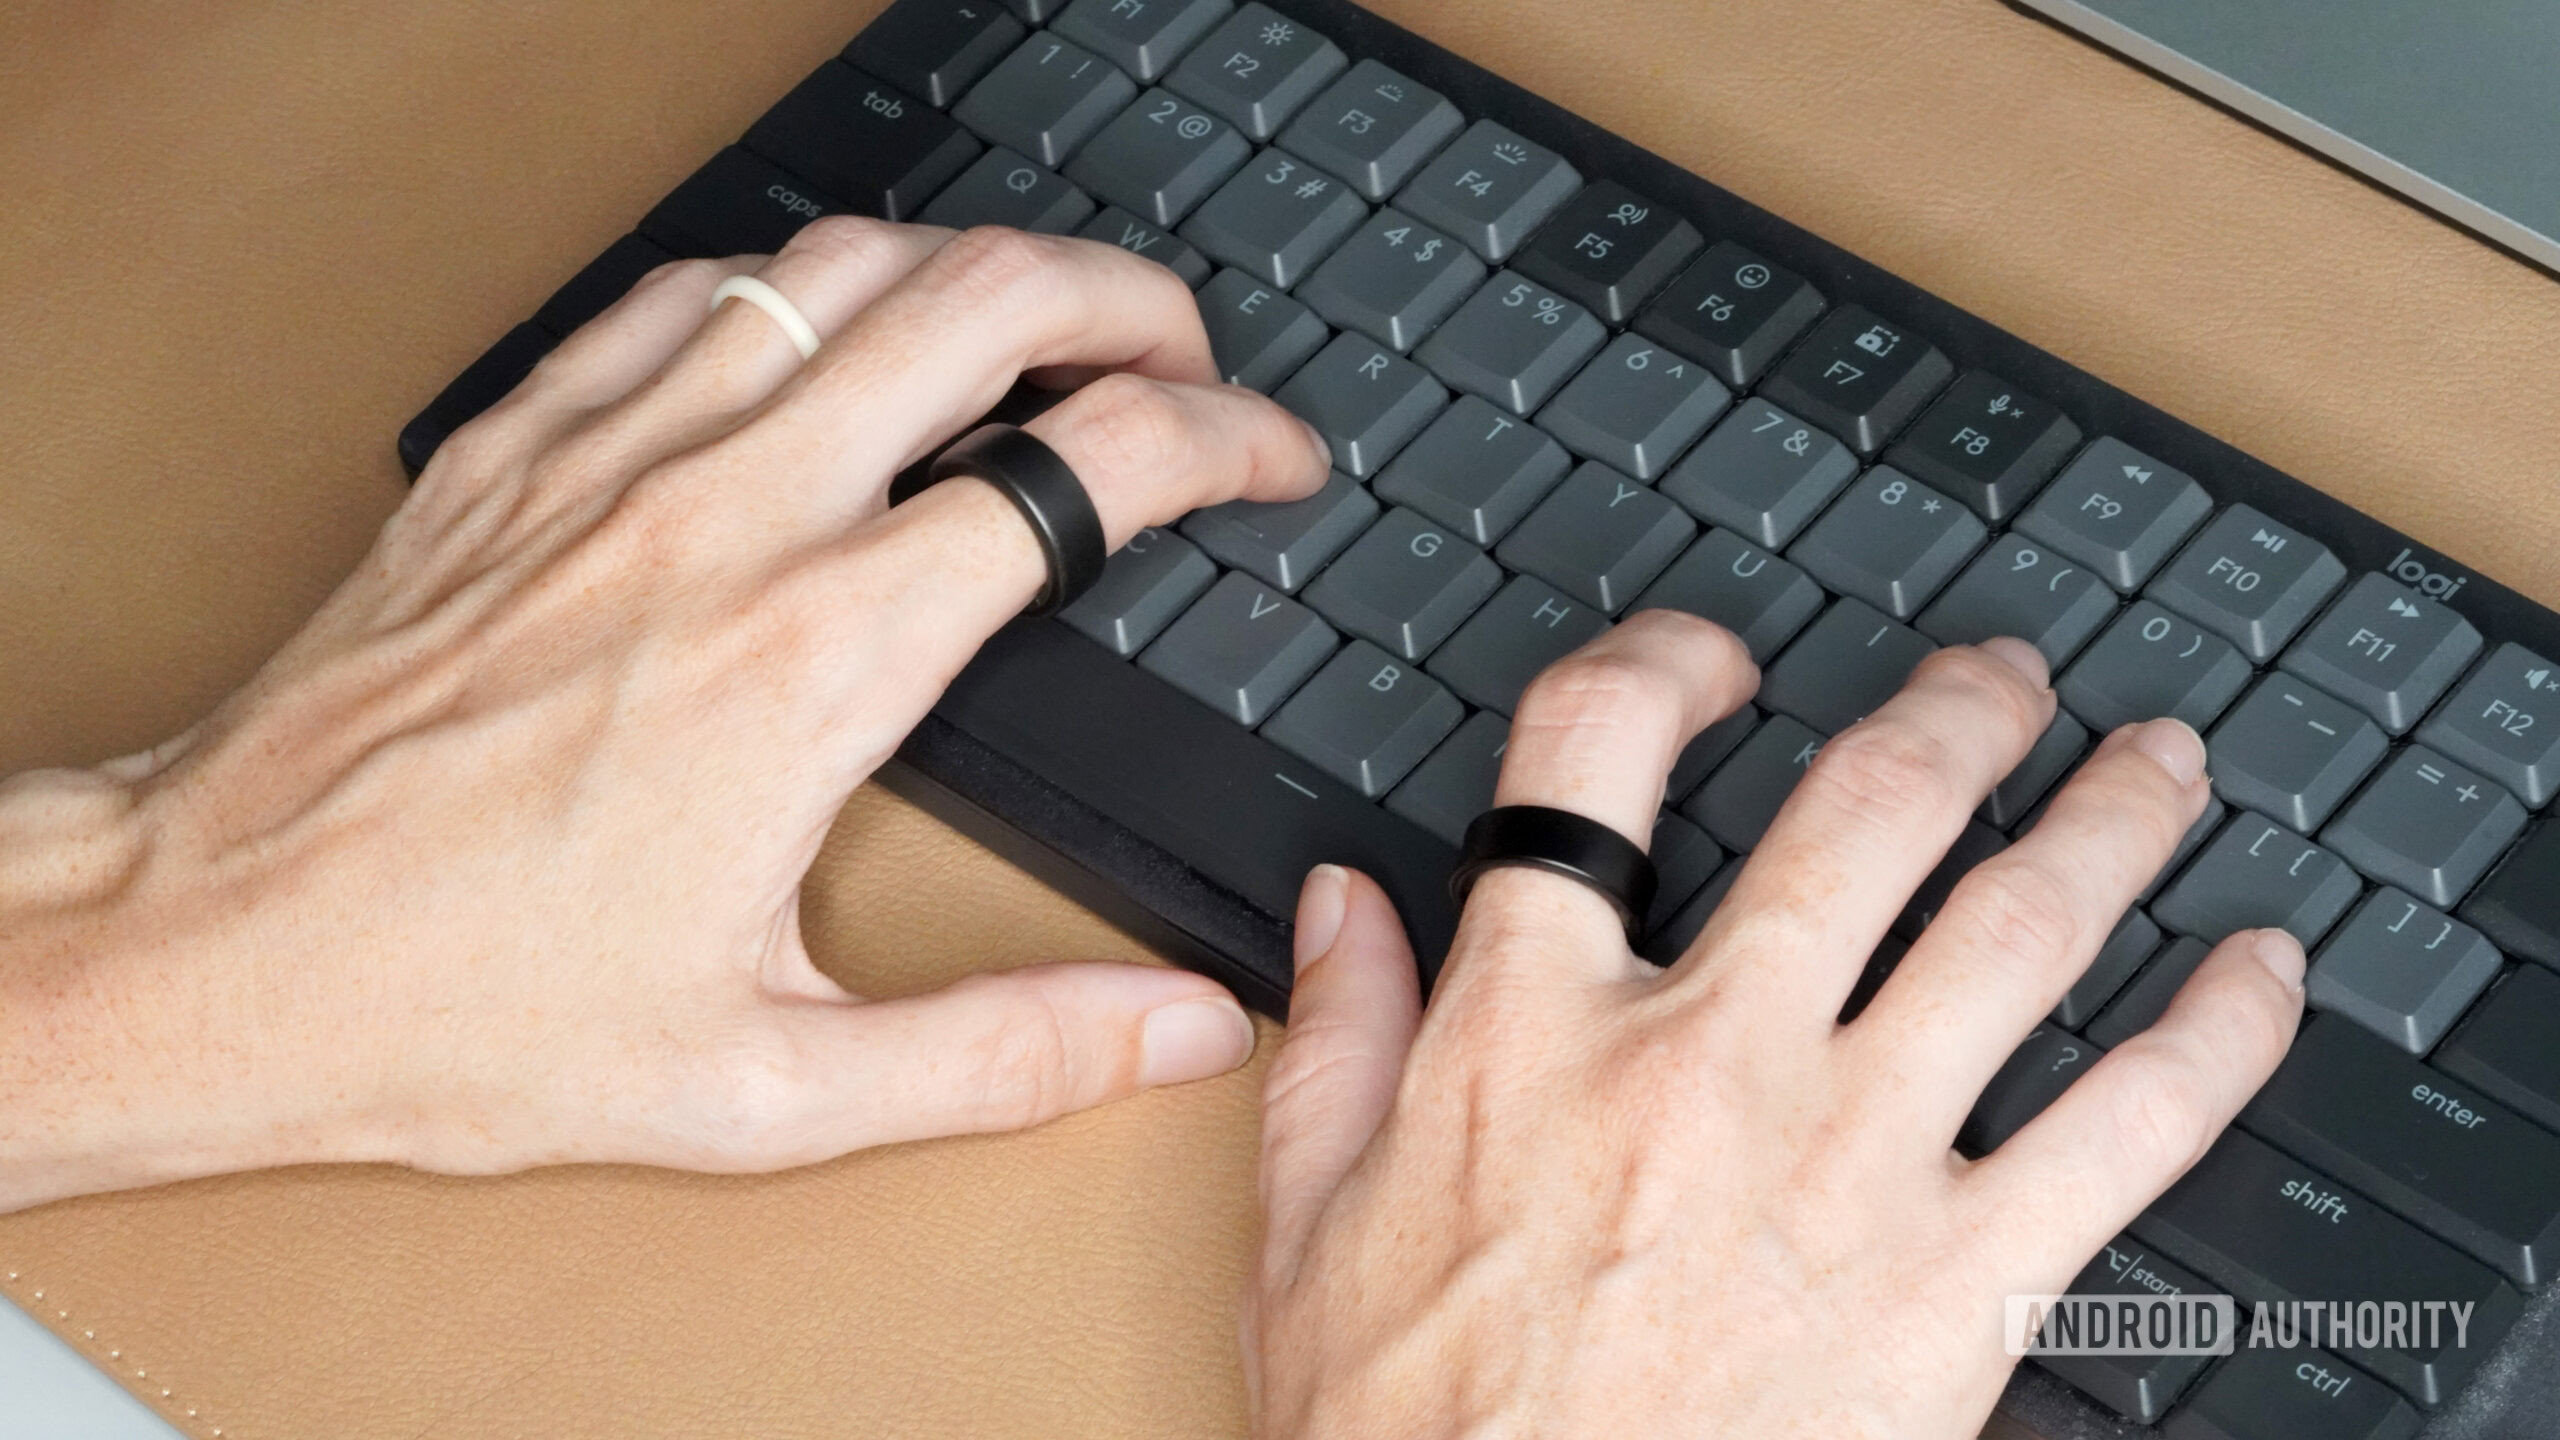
2020, 915
2159, 1108
747, 1095
680, 275
1022, 1060
1990, 678
1597, 689
848, 241
996, 267
1893, 770
1132, 426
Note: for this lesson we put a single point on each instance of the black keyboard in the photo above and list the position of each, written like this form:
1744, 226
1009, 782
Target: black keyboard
1564, 379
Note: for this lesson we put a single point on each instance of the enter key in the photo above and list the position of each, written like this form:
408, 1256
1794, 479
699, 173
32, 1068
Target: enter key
2465, 1168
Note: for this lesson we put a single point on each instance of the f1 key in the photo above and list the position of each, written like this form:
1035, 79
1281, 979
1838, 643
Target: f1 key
2468, 1169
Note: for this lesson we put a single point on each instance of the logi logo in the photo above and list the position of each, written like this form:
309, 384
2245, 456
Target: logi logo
2410, 571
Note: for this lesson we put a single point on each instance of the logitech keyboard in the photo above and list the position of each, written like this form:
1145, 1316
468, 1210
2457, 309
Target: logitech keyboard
1565, 380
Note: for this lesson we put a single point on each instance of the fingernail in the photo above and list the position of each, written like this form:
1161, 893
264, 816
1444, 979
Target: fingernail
1193, 1040
2175, 745
1320, 907
2282, 955
2022, 657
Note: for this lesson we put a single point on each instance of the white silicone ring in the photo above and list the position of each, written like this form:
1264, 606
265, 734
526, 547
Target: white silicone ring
774, 303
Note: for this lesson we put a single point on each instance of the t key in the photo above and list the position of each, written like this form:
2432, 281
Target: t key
1849, 662
1476, 470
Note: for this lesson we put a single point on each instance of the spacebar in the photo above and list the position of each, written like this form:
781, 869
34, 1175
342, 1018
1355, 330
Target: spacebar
1223, 800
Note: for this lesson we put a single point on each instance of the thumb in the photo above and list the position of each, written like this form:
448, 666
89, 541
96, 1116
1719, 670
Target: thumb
1015, 1049
1352, 1019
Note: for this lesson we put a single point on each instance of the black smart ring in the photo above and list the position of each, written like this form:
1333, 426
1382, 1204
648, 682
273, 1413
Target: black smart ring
1045, 489
1561, 843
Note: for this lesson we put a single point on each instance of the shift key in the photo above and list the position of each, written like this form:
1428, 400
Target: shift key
2462, 1166
2273, 1230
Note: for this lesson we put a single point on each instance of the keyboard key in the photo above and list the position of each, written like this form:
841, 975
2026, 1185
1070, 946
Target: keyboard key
738, 204
1407, 585
935, 48
1712, 747
2269, 1228
2510, 1047
2134, 940
1599, 537
1046, 99
2428, 826
2258, 875
1526, 627
1275, 220
2208, 825
605, 280
2505, 722
2048, 760
2386, 649
1672, 938
1860, 378
2466, 1169
1476, 470
1843, 668
1448, 791
1115, 226
1154, 578
1635, 408
2020, 589
2034, 1076
1242, 650
2519, 907
1976, 843
1035, 11
488, 380
1988, 444
878, 149
2139, 1005
1257, 69
1161, 158
2249, 580
1684, 859
1609, 250
2117, 511
1367, 400
1374, 128
2402, 970
2275, 1394
1890, 542
1259, 336
1005, 189
2293, 753
1366, 719
2150, 663
1513, 343
1737, 803
2139, 1387
1763, 472
1287, 542
1733, 311
1145, 37
1394, 280
1762, 599
1490, 188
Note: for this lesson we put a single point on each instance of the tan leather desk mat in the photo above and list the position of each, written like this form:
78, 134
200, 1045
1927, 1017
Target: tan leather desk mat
242, 243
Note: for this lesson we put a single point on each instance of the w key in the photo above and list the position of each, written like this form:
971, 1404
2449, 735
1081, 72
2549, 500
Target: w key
2462, 1166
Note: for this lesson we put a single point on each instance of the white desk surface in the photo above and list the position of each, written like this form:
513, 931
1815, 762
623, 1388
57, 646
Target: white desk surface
47, 1392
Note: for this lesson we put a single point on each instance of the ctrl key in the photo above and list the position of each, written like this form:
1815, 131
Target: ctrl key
2275, 1394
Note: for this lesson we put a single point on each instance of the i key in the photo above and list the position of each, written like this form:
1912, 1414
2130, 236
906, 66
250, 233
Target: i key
2505, 722
2463, 1167
1733, 311
2387, 649
1610, 249
1846, 664
1860, 378
2428, 826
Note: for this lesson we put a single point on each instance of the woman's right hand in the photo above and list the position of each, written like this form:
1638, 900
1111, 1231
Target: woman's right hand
1584, 1197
